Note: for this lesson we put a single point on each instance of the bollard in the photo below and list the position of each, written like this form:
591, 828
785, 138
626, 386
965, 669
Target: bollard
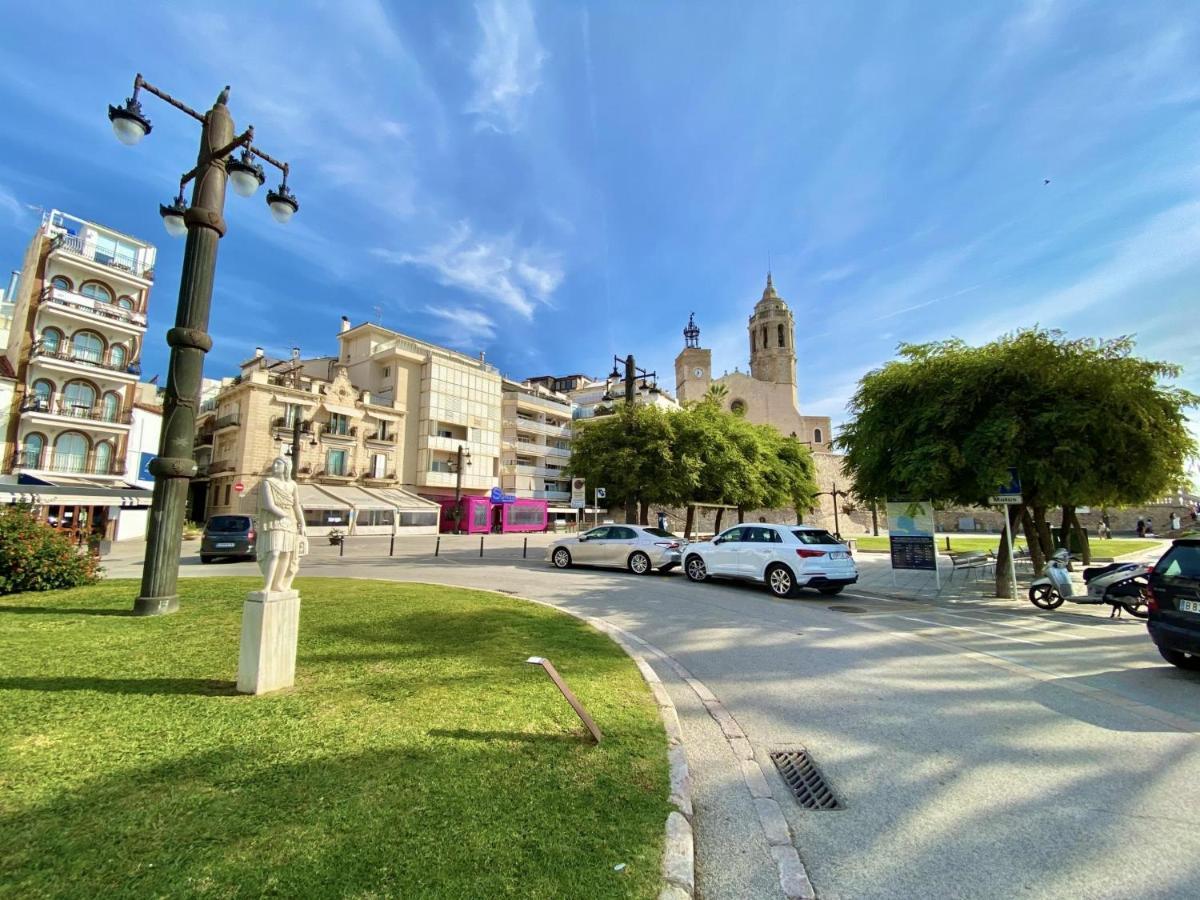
437, 548
392, 548
481, 546
525, 549
342, 546
947, 543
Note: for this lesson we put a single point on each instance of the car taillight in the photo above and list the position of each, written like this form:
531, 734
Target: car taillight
250, 535
1151, 600
809, 554
670, 545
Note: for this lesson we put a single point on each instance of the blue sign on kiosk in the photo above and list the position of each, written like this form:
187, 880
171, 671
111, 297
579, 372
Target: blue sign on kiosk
498, 496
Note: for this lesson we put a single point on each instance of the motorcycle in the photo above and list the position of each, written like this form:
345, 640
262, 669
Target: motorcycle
1120, 585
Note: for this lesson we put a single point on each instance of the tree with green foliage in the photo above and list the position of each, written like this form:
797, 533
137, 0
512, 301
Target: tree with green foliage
36, 557
1083, 420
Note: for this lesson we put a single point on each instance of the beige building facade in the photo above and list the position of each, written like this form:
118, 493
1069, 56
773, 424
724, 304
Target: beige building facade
536, 442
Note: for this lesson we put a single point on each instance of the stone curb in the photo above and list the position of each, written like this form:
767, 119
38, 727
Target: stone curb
679, 853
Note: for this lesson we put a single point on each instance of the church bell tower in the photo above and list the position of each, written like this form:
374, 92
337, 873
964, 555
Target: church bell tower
773, 340
693, 366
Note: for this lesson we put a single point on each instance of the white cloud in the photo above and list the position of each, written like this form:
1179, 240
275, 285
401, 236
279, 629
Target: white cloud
507, 66
492, 267
464, 327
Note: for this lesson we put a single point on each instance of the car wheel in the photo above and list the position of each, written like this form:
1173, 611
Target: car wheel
1137, 608
1180, 659
695, 569
639, 563
561, 558
780, 581
1044, 596
831, 590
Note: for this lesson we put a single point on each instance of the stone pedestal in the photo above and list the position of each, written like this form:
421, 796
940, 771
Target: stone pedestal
270, 628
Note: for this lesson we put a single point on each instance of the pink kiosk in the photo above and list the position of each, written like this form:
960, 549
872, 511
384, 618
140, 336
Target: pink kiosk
494, 513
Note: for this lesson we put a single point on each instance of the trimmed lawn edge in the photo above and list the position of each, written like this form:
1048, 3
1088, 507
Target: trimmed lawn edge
679, 858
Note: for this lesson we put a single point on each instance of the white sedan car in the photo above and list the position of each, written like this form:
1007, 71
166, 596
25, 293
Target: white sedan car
784, 557
634, 547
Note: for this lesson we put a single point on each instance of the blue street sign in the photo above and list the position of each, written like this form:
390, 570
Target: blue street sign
1014, 483
497, 495
144, 468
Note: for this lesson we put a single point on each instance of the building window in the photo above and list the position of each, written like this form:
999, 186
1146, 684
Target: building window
62, 282
385, 430
425, 517
374, 517
446, 433
51, 339
326, 518
88, 346
440, 465
738, 407
96, 291
378, 466
102, 459
526, 514
818, 437
110, 407
31, 453
43, 390
115, 253
782, 339
125, 303
764, 337
117, 356
753, 342
79, 398
387, 371
70, 452
335, 462
339, 424
227, 487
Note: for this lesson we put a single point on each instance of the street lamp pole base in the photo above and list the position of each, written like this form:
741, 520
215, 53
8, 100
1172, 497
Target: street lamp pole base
156, 606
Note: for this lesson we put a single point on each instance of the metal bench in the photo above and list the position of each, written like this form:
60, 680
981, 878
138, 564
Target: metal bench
961, 560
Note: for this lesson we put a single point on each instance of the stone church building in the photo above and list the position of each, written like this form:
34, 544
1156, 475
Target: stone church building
768, 396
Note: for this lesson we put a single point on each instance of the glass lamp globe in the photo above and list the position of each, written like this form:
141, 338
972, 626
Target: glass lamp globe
283, 204
128, 131
244, 183
172, 217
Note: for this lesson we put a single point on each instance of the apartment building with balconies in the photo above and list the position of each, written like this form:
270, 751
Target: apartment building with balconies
448, 401
536, 442
75, 341
351, 451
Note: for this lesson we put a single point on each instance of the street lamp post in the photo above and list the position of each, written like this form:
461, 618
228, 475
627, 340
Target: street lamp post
204, 224
835, 493
464, 453
632, 373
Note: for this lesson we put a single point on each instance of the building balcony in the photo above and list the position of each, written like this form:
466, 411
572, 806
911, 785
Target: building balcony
348, 434
550, 495
373, 437
334, 476
50, 460
380, 480
437, 442
203, 469
59, 355
86, 309
55, 409
233, 420
221, 465
531, 425
529, 401
545, 471
74, 245
280, 423
204, 439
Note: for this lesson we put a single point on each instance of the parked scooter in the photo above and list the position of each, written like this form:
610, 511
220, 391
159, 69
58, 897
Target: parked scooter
1120, 585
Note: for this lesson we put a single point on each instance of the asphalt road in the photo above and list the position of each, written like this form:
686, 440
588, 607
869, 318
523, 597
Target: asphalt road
980, 749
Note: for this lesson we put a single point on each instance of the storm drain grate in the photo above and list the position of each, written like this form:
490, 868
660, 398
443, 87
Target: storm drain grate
848, 609
805, 779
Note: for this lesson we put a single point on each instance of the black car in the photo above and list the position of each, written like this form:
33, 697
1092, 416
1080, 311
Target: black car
227, 536
1175, 604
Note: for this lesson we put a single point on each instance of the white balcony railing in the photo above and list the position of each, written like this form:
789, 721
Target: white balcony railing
108, 312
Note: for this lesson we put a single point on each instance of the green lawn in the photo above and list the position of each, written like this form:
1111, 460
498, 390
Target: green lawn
966, 544
417, 756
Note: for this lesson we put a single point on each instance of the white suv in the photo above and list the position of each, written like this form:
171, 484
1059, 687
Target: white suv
784, 557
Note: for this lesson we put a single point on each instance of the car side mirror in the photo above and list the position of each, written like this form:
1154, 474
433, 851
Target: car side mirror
583, 537
718, 540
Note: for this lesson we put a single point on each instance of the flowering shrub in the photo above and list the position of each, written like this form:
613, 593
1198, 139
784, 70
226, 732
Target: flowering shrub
35, 557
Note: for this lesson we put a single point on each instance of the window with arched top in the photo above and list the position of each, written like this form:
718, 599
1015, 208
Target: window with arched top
102, 458
62, 282
117, 354
110, 407
52, 339
96, 291
764, 336
782, 338
32, 451
43, 390
87, 345
78, 398
125, 302
70, 452
818, 436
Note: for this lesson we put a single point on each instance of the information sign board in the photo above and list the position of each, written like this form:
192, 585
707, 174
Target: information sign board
911, 535
578, 493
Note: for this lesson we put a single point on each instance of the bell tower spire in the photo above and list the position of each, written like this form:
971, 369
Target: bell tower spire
773, 339
693, 365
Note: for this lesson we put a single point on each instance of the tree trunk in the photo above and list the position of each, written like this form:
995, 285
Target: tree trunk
875, 518
1043, 530
644, 515
799, 516
1033, 539
1004, 586
1072, 519
717, 520
741, 515
689, 522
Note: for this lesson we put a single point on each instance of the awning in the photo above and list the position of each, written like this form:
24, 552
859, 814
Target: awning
74, 495
343, 410
384, 416
402, 499
312, 497
356, 498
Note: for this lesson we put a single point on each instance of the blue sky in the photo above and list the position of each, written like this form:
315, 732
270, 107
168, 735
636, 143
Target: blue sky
557, 182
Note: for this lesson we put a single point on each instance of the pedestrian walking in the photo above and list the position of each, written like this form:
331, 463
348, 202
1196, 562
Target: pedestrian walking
1174, 521
1141, 528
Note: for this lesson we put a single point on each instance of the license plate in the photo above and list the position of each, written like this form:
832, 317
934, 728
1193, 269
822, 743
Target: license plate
225, 546
1192, 606
837, 554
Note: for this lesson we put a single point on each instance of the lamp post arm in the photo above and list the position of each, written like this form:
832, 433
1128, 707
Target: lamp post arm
140, 83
